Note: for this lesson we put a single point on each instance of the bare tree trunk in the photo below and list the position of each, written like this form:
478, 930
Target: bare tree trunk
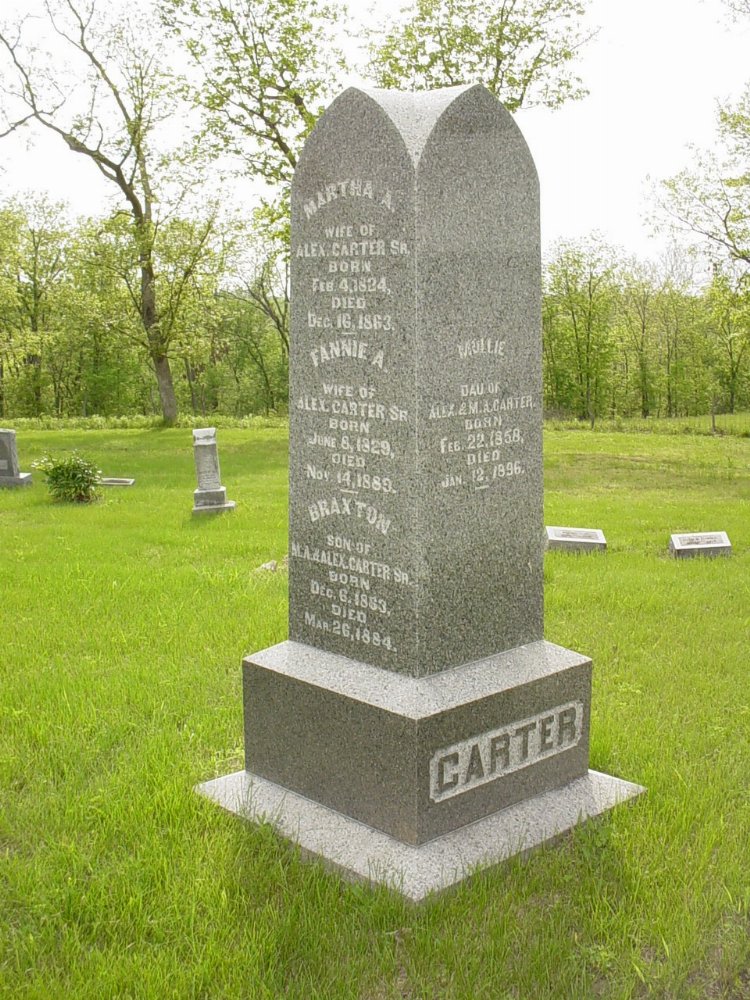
34, 362
166, 388
150, 320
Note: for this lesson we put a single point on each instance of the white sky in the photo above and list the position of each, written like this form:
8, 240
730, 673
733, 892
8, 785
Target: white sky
655, 73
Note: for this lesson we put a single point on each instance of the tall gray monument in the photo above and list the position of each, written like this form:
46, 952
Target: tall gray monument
211, 496
10, 475
416, 724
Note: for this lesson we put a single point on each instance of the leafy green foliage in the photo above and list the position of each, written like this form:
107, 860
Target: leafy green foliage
624, 339
73, 479
711, 200
521, 50
266, 70
117, 104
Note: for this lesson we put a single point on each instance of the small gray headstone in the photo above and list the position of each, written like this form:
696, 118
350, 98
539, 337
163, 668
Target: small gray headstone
10, 475
575, 539
416, 676
116, 481
211, 496
706, 543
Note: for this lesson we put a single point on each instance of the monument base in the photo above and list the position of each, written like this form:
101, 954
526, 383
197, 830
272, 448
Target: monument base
359, 852
417, 757
22, 479
415, 781
211, 501
215, 508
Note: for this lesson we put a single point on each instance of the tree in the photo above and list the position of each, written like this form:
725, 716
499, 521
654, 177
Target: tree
681, 344
738, 8
131, 101
11, 222
729, 318
638, 316
184, 259
32, 271
521, 50
579, 313
266, 69
712, 200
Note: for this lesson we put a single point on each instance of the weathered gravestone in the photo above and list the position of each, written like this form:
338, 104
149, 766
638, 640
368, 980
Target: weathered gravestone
575, 539
211, 496
416, 695
9, 470
710, 543
116, 481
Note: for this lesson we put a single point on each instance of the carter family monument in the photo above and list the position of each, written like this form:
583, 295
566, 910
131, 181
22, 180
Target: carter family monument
416, 723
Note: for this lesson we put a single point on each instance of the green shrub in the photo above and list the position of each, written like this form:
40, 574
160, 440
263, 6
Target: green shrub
72, 479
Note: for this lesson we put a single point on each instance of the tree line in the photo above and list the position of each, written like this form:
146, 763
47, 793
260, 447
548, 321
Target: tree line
72, 342
170, 302
620, 337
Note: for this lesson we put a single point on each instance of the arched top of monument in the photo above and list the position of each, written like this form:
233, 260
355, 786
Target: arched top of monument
415, 116
415, 113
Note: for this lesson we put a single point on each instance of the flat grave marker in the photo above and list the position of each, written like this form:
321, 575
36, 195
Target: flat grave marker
686, 545
575, 539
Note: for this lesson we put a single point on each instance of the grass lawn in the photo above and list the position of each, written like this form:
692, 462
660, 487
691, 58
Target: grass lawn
122, 629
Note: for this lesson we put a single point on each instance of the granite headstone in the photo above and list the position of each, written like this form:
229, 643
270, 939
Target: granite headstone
10, 475
211, 496
575, 539
686, 545
416, 694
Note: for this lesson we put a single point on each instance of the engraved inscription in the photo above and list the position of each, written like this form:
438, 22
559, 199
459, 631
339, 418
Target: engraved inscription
699, 540
575, 533
489, 756
351, 429
483, 437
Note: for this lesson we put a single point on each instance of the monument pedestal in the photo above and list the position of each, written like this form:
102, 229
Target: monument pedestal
413, 781
10, 473
211, 501
22, 479
360, 853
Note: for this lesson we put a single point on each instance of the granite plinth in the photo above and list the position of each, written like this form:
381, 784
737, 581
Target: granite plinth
575, 539
417, 757
688, 545
210, 498
10, 473
116, 481
360, 853
22, 479
214, 508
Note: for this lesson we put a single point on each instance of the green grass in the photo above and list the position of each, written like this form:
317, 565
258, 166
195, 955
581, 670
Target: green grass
737, 424
122, 626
